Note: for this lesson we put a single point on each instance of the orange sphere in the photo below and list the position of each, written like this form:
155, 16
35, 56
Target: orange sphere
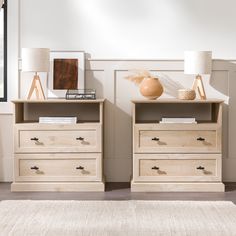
151, 88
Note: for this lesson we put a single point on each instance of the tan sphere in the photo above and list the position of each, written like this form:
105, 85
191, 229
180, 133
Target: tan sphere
151, 88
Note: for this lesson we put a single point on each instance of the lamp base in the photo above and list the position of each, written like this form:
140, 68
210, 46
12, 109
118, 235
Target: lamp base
198, 85
36, 87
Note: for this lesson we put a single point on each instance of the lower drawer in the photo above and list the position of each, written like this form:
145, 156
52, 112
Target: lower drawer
58, 167
177, 167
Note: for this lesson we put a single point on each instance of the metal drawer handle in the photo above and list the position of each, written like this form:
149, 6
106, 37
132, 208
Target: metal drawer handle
155, 139
200, 168
155, 168
80, 168
200, 139
34, 139
80, 138
34, 168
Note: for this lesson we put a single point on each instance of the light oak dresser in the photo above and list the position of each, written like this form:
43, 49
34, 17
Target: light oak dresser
177, 157
58, 157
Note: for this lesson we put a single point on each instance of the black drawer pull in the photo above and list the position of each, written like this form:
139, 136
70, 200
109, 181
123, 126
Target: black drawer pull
34, 139
200, 139
79, 168
155, 168
200, 168
155, 139
34, 168
80, 138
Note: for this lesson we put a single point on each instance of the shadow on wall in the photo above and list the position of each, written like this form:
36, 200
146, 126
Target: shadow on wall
6, 147
221, 75
223, 80
118, 143
171, 86
94, 84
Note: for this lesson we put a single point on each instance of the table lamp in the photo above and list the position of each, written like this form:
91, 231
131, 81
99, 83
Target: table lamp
198, 63
36, 60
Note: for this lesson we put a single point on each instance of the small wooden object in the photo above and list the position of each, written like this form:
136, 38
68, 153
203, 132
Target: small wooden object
36, 87
198, 84
186, 94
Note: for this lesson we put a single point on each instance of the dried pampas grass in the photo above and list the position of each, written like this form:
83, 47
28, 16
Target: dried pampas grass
139, 75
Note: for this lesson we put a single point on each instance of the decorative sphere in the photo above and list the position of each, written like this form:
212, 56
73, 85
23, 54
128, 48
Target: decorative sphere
151, 88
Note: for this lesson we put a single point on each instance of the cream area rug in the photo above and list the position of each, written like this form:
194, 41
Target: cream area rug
115, 218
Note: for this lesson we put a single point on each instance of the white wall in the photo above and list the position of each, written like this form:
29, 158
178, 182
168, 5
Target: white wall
131, 28
106, 29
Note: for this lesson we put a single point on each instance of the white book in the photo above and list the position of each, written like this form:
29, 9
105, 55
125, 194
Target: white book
178, 120
58, 117
57, 120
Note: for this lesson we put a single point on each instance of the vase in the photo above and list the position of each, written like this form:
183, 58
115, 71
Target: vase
151, 88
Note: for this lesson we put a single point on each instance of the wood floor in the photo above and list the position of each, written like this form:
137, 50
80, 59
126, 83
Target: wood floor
118, 191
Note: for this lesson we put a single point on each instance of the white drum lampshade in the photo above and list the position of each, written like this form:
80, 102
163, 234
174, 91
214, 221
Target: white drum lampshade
36, 60
198, 63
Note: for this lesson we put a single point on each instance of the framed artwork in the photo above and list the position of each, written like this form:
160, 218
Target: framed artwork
67, 71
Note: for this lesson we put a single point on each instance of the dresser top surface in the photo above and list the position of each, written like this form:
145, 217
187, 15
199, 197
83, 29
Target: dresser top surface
58, 101
175, 100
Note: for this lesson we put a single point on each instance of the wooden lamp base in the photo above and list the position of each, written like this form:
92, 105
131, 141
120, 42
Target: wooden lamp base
36, 87
198, 85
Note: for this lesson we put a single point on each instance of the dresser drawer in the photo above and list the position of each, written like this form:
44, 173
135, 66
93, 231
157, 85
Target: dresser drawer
58, 167
57, 138
176, 167
159, 141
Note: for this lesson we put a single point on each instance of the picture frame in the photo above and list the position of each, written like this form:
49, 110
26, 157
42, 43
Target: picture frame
80, 55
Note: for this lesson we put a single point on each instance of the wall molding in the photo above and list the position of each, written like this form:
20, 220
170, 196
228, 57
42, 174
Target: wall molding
111, 71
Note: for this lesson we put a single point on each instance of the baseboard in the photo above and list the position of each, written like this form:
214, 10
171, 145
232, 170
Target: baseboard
177, 187
58, 187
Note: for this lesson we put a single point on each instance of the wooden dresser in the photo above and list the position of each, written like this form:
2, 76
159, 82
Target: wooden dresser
58, 157
177, 157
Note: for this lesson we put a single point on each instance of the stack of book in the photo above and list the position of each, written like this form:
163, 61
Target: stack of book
57, 120
179, 120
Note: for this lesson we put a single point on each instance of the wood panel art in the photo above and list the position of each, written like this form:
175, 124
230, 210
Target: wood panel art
65, 73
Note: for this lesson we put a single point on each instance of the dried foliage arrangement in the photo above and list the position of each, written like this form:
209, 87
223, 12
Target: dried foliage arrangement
138, 76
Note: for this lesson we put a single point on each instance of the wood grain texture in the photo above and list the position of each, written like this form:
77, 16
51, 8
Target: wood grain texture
175, 100
22, 101
177, 167
58, 187
177, 141
177, 138
177, 187
58, 157
65, 73
58, 167
57, 138
157, 163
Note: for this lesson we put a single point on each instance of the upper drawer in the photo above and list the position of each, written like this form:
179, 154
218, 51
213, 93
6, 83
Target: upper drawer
190, 141
57, 138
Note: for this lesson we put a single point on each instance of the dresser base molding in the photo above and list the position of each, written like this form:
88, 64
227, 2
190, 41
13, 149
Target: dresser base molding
177, 187
58, 187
